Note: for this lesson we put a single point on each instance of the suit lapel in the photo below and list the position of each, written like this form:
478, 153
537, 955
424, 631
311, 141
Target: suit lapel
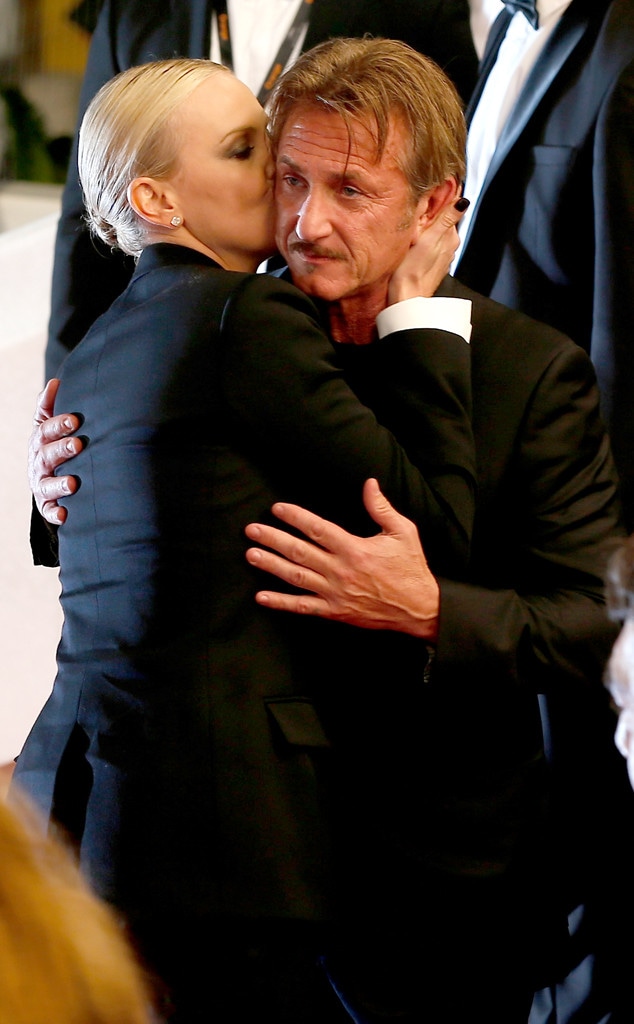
577, 20
562, 43
494, 41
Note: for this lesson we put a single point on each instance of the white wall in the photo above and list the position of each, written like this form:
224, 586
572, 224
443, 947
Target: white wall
30, 616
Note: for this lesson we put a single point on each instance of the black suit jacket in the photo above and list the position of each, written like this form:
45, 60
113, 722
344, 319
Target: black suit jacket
552, 232
86, 277
180, 740
528, 619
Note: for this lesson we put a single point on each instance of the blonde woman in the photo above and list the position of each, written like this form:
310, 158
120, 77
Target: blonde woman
182, 746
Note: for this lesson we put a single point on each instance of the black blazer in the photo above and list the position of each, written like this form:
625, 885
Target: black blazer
552, 232
180, 740
528, 618
86, 276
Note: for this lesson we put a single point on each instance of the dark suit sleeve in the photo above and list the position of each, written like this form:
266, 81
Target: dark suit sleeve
535, 617
283, 383
417, 383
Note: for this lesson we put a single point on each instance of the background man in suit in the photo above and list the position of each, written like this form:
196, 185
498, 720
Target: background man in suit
549, 174
86, 276
443, 787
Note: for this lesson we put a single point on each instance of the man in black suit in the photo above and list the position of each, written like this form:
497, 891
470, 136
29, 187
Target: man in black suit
86, 276
550, 234
551, 231
444, 791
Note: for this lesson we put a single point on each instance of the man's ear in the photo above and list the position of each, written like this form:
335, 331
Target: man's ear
152, 200
435, 200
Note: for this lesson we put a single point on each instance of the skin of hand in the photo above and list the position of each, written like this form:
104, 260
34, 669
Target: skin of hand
379, 582
49, 447
429, 259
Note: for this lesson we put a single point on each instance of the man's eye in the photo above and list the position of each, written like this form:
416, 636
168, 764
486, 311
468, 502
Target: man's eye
291, 181
348, 190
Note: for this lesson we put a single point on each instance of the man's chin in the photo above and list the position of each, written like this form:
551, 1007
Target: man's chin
317, 281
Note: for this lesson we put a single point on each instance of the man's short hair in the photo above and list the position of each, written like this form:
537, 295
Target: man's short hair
620, 581
371, 80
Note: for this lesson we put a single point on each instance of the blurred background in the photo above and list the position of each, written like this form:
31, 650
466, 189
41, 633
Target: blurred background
43, 50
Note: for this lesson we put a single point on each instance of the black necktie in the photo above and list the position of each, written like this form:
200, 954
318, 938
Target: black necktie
528, 9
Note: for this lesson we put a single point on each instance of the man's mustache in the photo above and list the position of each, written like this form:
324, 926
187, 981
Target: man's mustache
307, 249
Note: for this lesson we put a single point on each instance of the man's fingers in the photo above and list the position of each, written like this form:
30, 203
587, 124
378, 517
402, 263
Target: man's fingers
296, 575
301, 604
327, 535
296, 564
293, 548
382, 512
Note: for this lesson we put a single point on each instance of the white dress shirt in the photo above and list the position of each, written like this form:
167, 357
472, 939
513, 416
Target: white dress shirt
483, 14
258, 28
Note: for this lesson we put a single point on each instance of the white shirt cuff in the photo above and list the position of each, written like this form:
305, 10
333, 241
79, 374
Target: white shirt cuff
438, 312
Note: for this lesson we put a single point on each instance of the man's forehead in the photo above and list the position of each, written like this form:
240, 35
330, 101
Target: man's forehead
314, 130
305, 121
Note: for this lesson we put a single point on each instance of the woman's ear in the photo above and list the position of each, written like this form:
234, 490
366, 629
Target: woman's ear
153, 201
435, 200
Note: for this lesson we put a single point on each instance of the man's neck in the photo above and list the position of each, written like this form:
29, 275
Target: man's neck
353, 319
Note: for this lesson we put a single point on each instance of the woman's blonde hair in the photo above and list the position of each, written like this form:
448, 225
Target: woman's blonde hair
129, 130
374, 80
64, 958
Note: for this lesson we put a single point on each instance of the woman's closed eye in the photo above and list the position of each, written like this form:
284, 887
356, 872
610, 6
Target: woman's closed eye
243, 153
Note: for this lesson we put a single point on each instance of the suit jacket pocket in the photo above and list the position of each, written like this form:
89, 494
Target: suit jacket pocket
547, 207
295, 719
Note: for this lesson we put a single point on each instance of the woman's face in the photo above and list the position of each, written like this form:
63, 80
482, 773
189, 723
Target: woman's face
223, 182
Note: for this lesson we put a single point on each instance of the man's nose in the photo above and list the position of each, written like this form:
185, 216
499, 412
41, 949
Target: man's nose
313, 220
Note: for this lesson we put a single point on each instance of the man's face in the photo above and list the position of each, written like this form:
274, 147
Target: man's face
344, 221
620, 680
